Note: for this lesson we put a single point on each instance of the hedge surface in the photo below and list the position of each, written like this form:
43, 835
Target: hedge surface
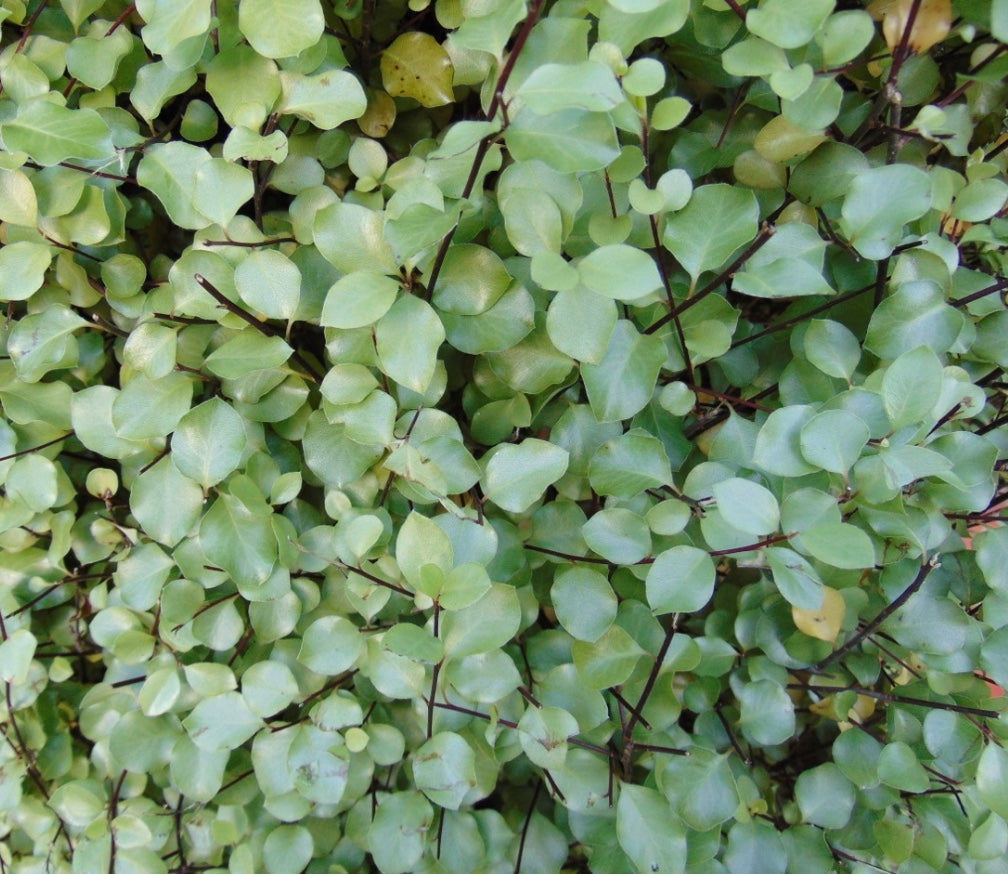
489, 436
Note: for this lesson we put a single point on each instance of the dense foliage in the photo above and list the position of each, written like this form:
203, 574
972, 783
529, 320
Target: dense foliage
488, 436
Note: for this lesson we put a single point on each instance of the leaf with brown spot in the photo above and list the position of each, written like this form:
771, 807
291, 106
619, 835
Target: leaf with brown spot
416, 66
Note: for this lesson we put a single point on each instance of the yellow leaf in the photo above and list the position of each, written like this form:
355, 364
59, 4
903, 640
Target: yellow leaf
379, 116
931, 26
824, 623
416, 66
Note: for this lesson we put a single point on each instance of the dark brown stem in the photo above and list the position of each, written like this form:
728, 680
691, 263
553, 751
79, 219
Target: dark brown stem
216, 602
738, 10
636, 714
1000, 285
273, 242
737, 103
525, 826
886, 698
881, 275
126, 13
760, 544
484, 144
765, 233
262, 327
376, 580
746, 759
631, 708
790, 323
570, 557
30, 25
32, 449
958, 92
530, 19
872, 626
434, 676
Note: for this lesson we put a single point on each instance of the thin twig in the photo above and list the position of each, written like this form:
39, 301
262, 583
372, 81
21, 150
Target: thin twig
872, 626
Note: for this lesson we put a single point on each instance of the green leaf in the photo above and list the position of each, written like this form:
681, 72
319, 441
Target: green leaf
651, 836
415, 65
681, 580
839, 544
422, 543
992, 779
833, 440
767, 713
747, 506
825, 796
916, 314
413, 642
484, 626
248, 351
268, 687
580, 323
517, 475
170, 25
167, 522
281, 28
398, 832
330, 645
552, 88
195, 189
845, 36
94, 58
717, 220
22, 269
899, 767
627, 465
472, 279
788, 23
50, 133
151, 348
910, 386
621, 384
533, 221
270, 283
325, 99
444, 769
584, 602
16, 653
358, 299
407, 338
543, 734
351, 238
789, 265
287, 849
571, 141
618, 535
879, 203
317, 769
795, 578
240, 541
620, 272
148, 408
41, 342
223, 722
832, 348
607, 661
209, 442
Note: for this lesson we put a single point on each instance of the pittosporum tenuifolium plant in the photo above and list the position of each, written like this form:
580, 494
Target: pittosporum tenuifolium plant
503, 436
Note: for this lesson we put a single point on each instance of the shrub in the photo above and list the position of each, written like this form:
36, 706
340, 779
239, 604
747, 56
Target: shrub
501, 436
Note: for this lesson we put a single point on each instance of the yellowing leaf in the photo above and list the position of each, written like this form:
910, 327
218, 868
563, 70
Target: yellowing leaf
930, 26
824, 623
416, 66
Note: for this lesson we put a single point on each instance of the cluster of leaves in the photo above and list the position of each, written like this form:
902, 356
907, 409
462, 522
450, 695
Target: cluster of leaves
488, 435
